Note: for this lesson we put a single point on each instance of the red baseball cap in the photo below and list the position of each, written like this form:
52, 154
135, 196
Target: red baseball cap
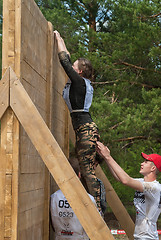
155, 158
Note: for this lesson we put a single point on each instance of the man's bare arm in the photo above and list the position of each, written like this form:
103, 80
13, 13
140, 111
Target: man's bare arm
116, 170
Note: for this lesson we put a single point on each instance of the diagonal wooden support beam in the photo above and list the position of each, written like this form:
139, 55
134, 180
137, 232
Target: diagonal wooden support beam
56, 161
4, 92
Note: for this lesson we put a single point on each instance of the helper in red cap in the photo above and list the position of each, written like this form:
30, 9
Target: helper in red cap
147, 199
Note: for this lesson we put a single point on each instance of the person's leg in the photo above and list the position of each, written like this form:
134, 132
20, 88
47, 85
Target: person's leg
86, 137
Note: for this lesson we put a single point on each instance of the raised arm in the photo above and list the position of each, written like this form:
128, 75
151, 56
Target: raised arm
64, 57
116, 170
61, 43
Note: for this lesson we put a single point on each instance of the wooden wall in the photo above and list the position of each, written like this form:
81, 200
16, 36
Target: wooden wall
24, 180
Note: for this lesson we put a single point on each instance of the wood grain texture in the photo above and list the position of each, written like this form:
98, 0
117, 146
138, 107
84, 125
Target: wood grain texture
4, 92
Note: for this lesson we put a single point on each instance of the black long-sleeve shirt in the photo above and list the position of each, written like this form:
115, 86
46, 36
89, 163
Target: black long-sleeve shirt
77, 92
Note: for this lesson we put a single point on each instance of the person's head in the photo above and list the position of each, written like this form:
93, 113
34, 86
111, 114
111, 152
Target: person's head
152, 163
83, 67
75, 165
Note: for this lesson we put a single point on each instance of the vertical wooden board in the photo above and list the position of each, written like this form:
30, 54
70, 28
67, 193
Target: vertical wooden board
59, 133
8, 207
2, 183
8, 30
37, 231
49, 83
49, 107
24, 231
9, 193
38, 97
11, 190
34, 39
35, 11
59, 106
15, 174
5, 36
31, 164
60, 112
46, 204
31, 229
18, 29
4, 93
66, 133
31, 181
8, 226
31, 199
32, 77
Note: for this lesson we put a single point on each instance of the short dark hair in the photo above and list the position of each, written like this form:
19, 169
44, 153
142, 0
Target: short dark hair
86, 67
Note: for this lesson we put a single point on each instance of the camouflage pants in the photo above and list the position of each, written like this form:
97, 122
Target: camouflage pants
86, 137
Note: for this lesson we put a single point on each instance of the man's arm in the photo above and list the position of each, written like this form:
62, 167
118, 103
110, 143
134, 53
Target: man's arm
116, 170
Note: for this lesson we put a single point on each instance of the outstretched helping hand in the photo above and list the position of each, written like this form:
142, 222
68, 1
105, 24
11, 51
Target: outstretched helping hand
102, 150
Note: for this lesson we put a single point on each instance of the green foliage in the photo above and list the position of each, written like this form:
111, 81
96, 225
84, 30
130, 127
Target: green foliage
128, 129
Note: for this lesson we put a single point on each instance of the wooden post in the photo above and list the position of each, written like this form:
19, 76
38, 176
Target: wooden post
9, 131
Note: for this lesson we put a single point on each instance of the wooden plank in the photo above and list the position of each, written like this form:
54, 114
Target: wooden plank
32, 77
18, 35
39, 98
49, 108
31, 199
31, 181
116, 205
56, 162
4, 93
49, 84
2, 190
31, 219
32, 7
31, 164
66, 133
15, 177
8, 227
8, 194
6, 168
34, 37
5, 36
8, 35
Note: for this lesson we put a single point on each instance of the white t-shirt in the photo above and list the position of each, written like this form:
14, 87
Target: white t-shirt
148, 209
64, 220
